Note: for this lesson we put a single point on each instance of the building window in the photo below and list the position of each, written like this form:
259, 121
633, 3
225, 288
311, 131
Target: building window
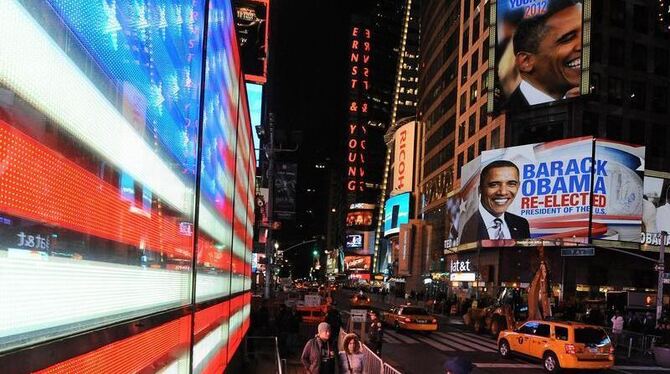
590, 123
614, 90
481, 147
618, 13
617, 50
461, 133
471, 152
495, 138
482, 116
640, 23
466, 9
661, 61
463, 103
487, 14
637, 134
638, 95
659, 101
485, 51
459, 164
475, 29
639, 57
464, 74
614, 127
473, 92
466, 41
474, 62
472, 125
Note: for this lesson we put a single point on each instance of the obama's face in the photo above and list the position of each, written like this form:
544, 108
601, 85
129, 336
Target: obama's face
556, 65
498, 189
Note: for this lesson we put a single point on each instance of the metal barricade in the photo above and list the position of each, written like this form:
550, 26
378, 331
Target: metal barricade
373, 364
388, 369
633, 343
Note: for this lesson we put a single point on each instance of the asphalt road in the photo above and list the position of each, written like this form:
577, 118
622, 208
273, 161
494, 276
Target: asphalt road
420, 353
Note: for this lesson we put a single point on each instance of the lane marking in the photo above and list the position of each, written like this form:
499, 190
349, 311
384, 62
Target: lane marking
436, 345
400, 337
390, 339
506, 366
641, 368
483, 342
476, 346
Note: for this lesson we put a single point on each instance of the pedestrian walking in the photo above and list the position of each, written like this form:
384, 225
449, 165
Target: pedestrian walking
617, 328
352, 360
334, 320
318, 356
376, 334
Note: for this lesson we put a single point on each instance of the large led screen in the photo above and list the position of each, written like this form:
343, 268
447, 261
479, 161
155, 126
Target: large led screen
562, 192
538, 52
655, 209
396, 213
100, 116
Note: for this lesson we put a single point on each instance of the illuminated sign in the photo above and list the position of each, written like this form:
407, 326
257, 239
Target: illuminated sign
251, 24
359, 218
354, 241
656, 209
403, 159
462, 277
538, 52
551, 190
460, 266
359, 84
357, 262
396, 212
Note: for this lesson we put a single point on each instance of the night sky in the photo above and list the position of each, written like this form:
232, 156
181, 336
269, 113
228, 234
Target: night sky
307, 91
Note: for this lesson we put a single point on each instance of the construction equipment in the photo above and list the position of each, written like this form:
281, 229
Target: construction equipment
515, 305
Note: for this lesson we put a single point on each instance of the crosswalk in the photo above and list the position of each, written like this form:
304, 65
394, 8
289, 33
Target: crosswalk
445, 341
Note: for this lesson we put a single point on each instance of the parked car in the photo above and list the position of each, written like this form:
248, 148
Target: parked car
410, 317
560, 345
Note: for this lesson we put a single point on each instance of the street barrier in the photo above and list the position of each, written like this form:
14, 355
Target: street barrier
388, 369
373, 363
634, 343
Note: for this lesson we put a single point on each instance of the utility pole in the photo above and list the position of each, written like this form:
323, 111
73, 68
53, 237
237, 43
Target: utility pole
661, 269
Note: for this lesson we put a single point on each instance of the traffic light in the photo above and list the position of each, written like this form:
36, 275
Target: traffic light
315, 253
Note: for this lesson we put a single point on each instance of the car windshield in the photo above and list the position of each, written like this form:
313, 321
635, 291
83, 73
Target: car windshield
591, 336
415, 311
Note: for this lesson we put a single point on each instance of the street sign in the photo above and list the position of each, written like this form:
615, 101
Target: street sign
578, 252
358, 315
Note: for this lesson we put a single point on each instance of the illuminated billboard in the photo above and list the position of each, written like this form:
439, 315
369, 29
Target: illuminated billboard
559, 191
255, 99
359, 218
357, 263
656, 208
251, 23
354, 241
538, 52
396, 213
403, 158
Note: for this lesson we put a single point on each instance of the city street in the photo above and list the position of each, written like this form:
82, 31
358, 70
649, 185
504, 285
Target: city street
421, 353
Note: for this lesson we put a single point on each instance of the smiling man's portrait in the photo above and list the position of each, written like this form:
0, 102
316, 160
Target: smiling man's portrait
498, 186
547, 52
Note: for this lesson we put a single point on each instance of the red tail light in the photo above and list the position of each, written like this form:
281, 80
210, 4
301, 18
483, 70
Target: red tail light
434, 320
408, 320
570, 349
611, 350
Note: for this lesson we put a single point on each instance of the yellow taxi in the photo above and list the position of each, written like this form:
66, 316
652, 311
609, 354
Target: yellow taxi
410, 317
359, 300
560, 345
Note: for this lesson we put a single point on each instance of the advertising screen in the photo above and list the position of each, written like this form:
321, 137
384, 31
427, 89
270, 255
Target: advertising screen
359, 218
396, 212
255, 98
354, 241
655, 208
251, 23
357, 262
403, 159
545, 190
538, 52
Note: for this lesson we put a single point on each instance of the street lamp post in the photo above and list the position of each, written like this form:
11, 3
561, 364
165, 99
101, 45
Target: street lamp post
661, 270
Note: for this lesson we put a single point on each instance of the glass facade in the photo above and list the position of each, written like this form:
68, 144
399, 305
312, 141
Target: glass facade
122, 142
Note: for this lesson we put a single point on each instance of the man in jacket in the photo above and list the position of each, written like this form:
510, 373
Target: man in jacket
318, 356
